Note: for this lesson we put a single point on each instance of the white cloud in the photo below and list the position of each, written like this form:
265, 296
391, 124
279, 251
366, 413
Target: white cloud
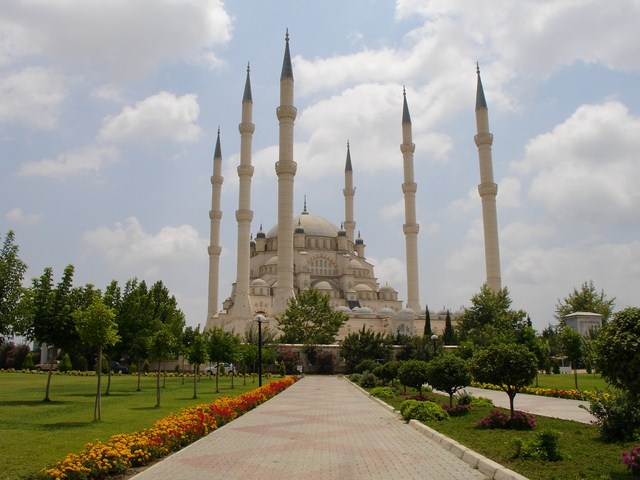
17, 215
395, 210
70, 164
392, 271
32, 97
147, 33
127, 244
585, 169
161, 116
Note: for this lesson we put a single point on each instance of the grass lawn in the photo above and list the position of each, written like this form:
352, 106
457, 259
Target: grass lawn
585, 456
565, 381
36, 434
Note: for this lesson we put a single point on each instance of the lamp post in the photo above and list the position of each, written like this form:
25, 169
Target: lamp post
260, 319
434, 337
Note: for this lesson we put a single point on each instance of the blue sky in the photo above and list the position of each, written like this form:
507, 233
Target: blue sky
109, 111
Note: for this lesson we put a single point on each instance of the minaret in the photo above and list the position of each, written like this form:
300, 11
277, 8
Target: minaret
349, 192
487, 190
215, 215
244, 214
410, 226
286, 171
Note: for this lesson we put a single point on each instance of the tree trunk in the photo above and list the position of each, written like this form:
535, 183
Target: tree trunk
575, 373
158, 386
195, 381
46, 392
139, 375
512, 397
97, 411
108, 392
217, 374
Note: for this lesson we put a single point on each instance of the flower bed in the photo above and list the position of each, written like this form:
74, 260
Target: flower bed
101, 460
545, 392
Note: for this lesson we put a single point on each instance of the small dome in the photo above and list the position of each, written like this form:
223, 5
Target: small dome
272, 261
387, 288
387, 312
406, 313
442, 313
359, 241
353, 263
361, 287
323, 285
343, 309
258, 282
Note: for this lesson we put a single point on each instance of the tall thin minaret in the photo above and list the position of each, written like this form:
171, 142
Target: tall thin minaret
286, 171
349, 192
215, 215
410, 226
244, 214
487, 189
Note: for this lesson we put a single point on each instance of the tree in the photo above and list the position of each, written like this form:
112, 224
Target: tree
222, 347
618, 351
426, 333
309, 319
414, 373
509, 366
490, 319
587, 299
162, 346
449, 336
47, 314
97, 328
363, 345
448, 373
195, 344
12, 271
571, 342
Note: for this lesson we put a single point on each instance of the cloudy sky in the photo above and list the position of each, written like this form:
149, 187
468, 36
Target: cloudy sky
109, 111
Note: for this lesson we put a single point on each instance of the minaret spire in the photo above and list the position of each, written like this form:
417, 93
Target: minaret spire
286, 171
349, 192
487, 189
244, 214
214, 249
410, 228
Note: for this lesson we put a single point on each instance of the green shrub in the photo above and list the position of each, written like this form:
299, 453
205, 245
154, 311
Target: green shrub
133, 368
422, 411
80, 363
355, 377
27, 364
366, 366
146, 366
65, 364
618, 416
384, 392
481, 402
283, 369
464, 398
368, 380
543, 446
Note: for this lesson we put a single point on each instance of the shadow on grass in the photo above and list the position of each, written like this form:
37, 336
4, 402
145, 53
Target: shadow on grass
31, 403
65, 425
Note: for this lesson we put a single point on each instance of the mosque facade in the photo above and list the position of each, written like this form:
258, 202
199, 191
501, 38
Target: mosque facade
308, 251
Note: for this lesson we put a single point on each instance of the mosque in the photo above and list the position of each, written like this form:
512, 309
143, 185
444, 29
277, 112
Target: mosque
307, 251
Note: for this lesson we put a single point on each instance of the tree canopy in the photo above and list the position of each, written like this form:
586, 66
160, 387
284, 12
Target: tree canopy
12, 271
448, 373
618, 351
490, 319
364, 345
587, 299
510, 366
309, 319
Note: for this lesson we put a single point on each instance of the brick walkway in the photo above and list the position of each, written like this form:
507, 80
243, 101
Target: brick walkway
320, 428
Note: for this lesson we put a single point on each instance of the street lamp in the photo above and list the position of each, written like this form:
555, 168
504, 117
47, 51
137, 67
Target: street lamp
434, 337
260, 319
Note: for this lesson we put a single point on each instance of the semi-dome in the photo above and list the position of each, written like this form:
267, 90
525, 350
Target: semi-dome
387, 288
343, 309
258, 282
323, 285
353, 263
313, 225
406, 313
363, 287
387, 312
364, 311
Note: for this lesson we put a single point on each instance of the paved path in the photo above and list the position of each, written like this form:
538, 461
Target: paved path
546, 406
319, 428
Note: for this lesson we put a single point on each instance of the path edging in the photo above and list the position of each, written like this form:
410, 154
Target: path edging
486, 466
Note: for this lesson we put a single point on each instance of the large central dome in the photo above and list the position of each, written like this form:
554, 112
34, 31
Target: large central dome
312, 224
